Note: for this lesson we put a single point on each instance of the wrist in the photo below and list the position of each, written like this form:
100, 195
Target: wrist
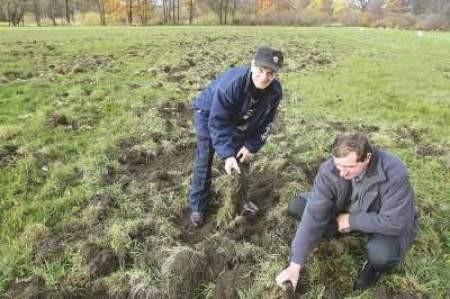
295, 267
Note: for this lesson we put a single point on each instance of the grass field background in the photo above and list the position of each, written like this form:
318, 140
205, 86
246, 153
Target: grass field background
97, 141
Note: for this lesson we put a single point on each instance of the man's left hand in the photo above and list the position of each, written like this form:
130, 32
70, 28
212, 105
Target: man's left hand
244, 155
343, 222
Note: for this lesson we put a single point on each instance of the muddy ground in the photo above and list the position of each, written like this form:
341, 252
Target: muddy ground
154, 174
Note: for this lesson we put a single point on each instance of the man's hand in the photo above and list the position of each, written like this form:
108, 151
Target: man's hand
343, 222
244, 155
231, 163
291, 273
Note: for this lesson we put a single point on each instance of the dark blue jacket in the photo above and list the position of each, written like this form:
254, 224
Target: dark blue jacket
227, 100
386, 203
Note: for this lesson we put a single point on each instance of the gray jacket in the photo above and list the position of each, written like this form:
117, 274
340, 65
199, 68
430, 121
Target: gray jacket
386, 204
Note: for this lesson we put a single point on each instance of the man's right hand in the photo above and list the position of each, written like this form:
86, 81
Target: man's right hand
291, 273
231, 163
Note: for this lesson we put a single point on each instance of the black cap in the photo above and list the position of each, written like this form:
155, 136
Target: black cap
268, 57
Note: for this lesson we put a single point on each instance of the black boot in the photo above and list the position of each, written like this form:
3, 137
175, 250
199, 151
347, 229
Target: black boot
368, 278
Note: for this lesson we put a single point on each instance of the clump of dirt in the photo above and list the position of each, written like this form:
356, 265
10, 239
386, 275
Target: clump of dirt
179, 111
183, 271
220, 254
84, 289
406, 133
139, 289
27, 289
385, 293
137, 155
225, 286
48, 250
57, 119
429, 150
87, 63
236, 192
100, 261
8, 152
18, 75
98, 208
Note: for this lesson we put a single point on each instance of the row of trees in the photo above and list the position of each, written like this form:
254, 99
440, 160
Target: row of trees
133, 12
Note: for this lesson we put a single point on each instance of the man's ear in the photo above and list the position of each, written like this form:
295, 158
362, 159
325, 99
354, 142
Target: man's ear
368, 157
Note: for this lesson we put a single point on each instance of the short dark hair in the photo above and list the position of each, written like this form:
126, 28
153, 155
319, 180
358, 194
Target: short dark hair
352, 142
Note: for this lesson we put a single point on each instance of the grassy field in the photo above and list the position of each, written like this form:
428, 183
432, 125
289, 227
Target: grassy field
97, 141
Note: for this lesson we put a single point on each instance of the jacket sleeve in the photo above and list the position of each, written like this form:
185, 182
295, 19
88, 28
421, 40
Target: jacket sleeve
220, 124
317, 214
396, 214
257, 138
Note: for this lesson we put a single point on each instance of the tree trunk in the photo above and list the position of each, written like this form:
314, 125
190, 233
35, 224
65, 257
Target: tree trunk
67, 11
221, 12
178, 11
37, 12
101, 12
173, 11
164, 11
191, 12
52, 12
234, 12
130, 12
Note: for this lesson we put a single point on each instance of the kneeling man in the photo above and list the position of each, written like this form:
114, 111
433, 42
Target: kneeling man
359, 189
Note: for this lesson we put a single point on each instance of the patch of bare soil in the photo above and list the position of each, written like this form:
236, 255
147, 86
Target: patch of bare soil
430, 150
100, 261
57, 119
184, 270
8, 153
385, 293
409, 134
33, 288
48, 250
18, 75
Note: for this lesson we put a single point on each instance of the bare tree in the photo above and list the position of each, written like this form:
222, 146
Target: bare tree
37, 10
67, 11
226, 11
362, 4
101, 12
52, 6
129, 12
15, 10
191, 10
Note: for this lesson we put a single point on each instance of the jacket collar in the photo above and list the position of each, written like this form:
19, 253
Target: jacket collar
375, 172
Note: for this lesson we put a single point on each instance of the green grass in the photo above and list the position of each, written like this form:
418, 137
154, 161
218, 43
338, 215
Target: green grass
390, 80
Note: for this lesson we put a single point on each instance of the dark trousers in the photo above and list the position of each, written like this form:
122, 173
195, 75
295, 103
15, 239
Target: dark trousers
199, 193
383, 252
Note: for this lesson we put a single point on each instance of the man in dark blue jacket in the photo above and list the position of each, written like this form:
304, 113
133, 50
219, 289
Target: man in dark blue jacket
233, 117
358, 189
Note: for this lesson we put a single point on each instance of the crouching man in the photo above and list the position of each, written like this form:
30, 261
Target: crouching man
233, 117
359, 189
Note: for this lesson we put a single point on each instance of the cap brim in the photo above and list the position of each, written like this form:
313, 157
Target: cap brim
273, 67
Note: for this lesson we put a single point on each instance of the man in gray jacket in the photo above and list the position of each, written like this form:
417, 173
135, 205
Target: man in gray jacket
358, 189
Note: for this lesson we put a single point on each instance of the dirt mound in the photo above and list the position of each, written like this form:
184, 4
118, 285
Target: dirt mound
8, 153
59, 119
98, 208
183, 271
385, 293
100, 261
48, 250
225, 286
33, 288
430, 150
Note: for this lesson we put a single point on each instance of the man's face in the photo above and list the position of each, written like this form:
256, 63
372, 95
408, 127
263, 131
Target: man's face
262, 76
349, 167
